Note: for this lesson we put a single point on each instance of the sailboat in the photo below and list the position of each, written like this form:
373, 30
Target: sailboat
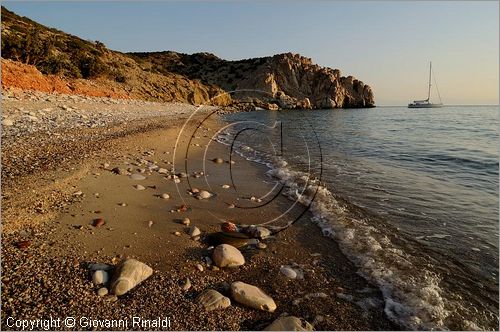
426, 103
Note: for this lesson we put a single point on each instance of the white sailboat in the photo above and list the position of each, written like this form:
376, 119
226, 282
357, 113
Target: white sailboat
426, 103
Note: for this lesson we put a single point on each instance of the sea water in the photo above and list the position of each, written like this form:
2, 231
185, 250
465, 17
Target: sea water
410, 195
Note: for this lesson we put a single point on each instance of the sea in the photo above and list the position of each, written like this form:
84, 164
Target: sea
410, 195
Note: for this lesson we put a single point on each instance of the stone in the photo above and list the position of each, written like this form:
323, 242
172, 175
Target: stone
137, 177
288, 272
150, 223
119, 171
129, 274
23, 244
98, 222
186, 285
261, 245
226, 255
203, 194
103, 291
186, 222
226, 186
252, 296
218, 160
212, 300
162, 170
7, 122
194, 231
289, 323
165, 196
100, 277
199, 267
228, 227
259, 232
110, 298
139, 187
177, 233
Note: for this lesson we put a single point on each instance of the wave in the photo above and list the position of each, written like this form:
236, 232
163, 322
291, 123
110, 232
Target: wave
412, 293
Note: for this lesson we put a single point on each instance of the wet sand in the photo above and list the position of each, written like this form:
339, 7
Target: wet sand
51, 276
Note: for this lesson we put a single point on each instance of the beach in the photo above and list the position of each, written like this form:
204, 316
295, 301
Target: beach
60, 176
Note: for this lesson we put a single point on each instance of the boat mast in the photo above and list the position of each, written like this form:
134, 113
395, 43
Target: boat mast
430, 71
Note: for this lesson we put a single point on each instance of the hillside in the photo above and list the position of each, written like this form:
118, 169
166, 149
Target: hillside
69, 63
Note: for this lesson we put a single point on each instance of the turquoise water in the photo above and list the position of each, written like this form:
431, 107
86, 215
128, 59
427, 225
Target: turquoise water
411, 195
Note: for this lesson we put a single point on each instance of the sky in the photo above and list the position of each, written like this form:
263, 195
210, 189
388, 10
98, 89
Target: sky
387, 45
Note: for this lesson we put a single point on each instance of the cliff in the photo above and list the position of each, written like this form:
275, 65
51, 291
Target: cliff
47, 59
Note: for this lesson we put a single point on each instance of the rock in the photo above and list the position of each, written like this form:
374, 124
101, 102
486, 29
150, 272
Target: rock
272, 107
110, 298
258, 232
226, 255
203, 194
162, 171
129, 274
150, 223
226, 186
288, 272
186, 285
186, 222
100, 277
103, 291
261, 245
23, 244
119, 171
199, 267
211, 300
137, 177
194, 231
98, 222
165, 196
7, 122
289, 323
177, 233
139, 187
218, 160
229, 227
252, 296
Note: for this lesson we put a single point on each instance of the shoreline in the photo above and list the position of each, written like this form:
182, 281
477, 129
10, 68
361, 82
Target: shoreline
54, 266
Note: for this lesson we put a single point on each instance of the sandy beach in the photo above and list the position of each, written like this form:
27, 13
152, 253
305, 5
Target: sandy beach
57, 181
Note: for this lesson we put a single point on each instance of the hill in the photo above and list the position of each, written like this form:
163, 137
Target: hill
63, 62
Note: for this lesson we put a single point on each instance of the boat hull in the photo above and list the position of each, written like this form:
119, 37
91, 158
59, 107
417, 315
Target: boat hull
425, 105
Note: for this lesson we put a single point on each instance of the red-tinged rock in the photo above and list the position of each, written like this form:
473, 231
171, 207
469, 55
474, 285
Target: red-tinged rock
228, 227
23, 244
98, 222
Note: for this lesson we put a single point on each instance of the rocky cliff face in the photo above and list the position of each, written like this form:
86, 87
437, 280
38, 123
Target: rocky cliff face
286, 80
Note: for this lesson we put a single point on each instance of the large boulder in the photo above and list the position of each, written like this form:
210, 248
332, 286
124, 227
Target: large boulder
252, 296
129, 274
289, 323
211, 300
226, 255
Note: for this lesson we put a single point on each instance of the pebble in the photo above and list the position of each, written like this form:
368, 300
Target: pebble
194, 231
137, 177
165, 196
162, 171
226, 255
186, 285
226, 186
289, 323
122, 204
252, 296
139, 187
98, 222
199, 267
288, 272
23, 244
261, 245
186, 221
100, 277
218, 160
150, 223
7, 122
177, 233
203, 194
111, 298
119, 171
102, 291
211, 300
177, 180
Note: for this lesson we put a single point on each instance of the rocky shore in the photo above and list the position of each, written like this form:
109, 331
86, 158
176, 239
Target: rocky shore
99, 222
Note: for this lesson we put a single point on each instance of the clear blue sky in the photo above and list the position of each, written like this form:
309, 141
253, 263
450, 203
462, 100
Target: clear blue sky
385, 44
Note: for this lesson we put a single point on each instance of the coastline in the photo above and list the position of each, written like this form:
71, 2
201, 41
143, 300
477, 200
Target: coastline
52, 271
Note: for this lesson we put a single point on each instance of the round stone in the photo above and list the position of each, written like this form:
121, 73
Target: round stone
137, 177
102, 291
165, 196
